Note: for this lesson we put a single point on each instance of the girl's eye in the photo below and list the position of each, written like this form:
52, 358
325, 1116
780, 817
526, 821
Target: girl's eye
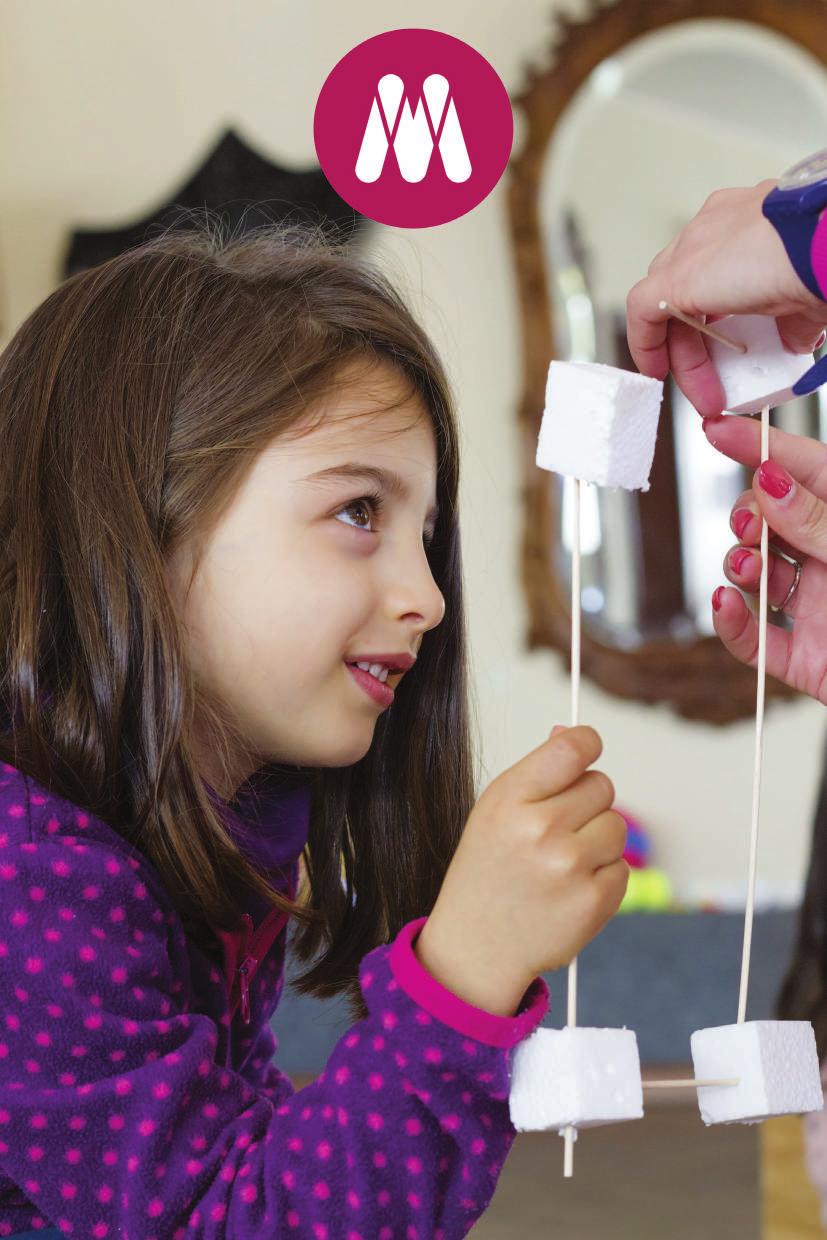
375, 502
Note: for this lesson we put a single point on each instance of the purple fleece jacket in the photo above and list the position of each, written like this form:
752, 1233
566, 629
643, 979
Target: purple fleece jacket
138, 1094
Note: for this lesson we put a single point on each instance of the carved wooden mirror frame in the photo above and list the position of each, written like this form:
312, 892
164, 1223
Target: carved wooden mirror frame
699, 679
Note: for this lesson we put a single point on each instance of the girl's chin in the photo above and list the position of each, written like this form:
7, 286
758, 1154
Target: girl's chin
348, 744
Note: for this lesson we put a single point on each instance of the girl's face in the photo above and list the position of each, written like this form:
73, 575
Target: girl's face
302, 576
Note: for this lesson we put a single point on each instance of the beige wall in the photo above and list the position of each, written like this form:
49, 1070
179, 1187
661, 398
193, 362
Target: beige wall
104, 108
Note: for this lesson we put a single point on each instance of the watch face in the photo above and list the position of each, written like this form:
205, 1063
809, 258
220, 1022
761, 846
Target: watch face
806, 172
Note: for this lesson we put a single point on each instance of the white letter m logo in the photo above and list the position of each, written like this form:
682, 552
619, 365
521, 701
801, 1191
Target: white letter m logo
413, 142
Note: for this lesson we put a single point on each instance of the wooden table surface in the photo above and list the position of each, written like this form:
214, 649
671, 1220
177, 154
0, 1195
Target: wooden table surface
790, 1205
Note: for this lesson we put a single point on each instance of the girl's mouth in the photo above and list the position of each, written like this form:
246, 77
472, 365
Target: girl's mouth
381, 693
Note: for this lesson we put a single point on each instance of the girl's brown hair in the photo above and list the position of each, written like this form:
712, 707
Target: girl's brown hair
133, 400
803, 994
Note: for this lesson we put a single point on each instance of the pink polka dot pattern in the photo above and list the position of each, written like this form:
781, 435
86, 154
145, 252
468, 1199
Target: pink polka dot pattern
137, 1103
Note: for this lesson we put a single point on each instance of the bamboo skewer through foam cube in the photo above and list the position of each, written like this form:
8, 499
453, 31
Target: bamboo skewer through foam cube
599, 425
776, 1061
764, 375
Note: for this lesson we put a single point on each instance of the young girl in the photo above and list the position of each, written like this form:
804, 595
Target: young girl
229, 477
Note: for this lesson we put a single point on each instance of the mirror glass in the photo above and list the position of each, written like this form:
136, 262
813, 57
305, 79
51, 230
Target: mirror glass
654, 130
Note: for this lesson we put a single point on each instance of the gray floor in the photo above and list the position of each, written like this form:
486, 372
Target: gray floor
666, 1175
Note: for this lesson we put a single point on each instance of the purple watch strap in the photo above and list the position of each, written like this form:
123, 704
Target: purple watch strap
818, 254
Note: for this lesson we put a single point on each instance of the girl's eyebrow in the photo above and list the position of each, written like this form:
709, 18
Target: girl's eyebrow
391, 482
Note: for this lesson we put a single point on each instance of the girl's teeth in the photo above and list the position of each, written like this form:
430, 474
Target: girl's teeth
375, 669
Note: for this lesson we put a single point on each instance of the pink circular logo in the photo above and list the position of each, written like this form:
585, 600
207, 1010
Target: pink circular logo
413, 128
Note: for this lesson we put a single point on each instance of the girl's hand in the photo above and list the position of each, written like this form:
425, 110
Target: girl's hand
727, 260
538, 872
789, 491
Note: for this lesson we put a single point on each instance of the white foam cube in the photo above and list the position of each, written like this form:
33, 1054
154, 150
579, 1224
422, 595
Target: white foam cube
775, 1061
575, 1076
599, 424
765, 374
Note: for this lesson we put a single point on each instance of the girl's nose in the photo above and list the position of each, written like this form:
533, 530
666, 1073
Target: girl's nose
421, 595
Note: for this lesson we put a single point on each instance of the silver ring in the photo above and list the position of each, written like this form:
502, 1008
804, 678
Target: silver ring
794, 586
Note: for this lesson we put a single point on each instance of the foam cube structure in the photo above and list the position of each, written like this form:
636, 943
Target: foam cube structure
575, 1076
765, 374
599, 424
775, 1062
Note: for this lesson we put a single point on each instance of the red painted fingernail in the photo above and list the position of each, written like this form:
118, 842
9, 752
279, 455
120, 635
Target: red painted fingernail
740, 520
738, 559
774, 480
820, 341
716, 598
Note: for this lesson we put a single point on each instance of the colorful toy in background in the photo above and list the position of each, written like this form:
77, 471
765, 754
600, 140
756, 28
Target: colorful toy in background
649, 889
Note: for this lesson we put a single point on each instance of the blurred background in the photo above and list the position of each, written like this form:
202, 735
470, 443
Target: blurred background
627, 115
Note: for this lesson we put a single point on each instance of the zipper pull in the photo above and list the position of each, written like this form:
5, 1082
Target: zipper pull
243, 970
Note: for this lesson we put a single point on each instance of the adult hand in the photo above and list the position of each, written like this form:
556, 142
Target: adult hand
789, 490
727, 260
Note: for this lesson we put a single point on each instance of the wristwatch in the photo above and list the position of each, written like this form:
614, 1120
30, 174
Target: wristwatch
794, 209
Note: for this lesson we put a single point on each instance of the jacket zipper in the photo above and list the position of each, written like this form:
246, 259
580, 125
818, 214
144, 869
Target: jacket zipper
243, 970
250, 958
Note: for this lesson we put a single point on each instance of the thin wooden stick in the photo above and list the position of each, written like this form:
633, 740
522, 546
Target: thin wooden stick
687, 1084
571, 1015
702, 327
759, 736
575, 603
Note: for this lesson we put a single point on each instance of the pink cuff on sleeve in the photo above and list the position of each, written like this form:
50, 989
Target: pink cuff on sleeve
464, 1017
818, 254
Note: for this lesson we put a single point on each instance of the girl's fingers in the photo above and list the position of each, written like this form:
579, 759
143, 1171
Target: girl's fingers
739, 438
737, 628
603, 839
590, 795
742, 567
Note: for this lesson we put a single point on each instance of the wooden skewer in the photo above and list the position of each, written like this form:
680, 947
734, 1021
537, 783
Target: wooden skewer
687, 1084
759, 737
703, 327
571, 1016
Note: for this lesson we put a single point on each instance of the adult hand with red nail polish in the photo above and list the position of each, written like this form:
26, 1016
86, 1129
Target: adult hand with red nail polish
790, 491
727, 260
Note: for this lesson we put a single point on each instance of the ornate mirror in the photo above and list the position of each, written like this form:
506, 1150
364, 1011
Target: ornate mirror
645, 110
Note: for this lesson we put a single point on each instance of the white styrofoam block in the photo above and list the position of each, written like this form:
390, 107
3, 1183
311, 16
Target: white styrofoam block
599, 424
765, 374
775, 1061
575, 1075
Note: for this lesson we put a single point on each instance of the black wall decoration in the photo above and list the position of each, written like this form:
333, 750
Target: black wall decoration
236, 182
